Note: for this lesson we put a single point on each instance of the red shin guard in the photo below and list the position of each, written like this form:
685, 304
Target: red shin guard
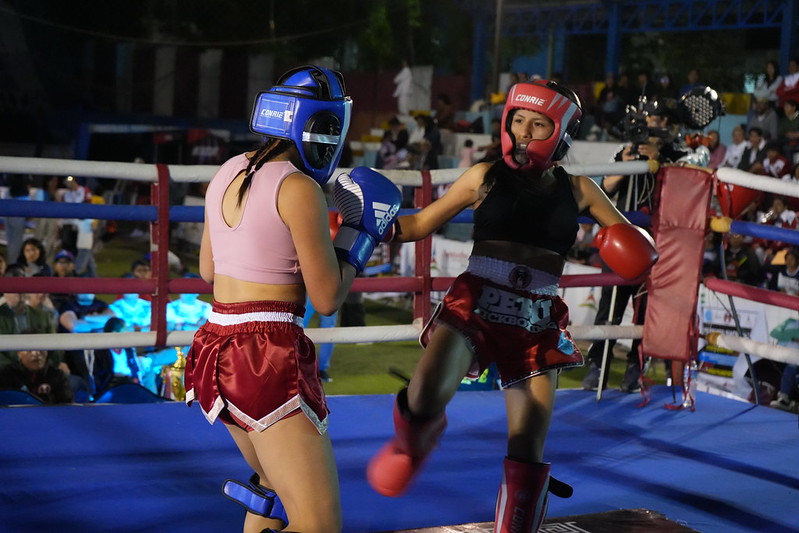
522, 498
391, 471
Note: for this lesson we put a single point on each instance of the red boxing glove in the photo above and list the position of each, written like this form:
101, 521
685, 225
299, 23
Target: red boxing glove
733, 199
627, 249
334, 220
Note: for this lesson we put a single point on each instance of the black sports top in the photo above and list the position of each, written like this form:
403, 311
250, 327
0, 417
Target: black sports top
548, 220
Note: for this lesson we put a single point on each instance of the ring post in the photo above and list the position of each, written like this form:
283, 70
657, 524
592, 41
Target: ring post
423, 197
159, 246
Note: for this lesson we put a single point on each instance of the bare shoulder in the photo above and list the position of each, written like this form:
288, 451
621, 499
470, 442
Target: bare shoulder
470, 183
300, 184
586, 191
299, 192
583, 183
589, 195
476, 173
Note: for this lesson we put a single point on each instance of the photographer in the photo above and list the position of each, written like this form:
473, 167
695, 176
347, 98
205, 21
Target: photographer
651, 131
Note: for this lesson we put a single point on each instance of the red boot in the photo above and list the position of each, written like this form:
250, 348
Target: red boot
522, 498
390, 471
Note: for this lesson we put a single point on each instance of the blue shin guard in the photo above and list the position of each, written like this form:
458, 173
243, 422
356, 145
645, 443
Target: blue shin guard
255, 498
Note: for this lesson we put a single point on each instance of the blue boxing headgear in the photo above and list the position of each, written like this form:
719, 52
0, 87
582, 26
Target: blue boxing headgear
308, 107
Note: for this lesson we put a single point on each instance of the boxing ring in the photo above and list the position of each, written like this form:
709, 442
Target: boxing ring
727, 466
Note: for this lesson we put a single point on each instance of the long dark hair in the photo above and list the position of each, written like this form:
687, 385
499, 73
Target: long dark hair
776, 66
271, 148
41, 261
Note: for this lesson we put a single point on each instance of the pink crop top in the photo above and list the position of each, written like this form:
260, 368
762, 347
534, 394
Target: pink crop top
260, 248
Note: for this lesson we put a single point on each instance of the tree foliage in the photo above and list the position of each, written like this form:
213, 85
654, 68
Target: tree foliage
372, 35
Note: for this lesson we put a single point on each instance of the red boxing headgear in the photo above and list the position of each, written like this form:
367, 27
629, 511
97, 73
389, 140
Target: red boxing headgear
555, 102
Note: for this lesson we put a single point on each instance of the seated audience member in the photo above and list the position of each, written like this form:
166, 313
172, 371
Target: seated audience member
63, 267
42, 302
114, 366
718, 151
187, 312
17, 317
21, 314
31, 373
32, 259
786, 278
775, 164
140, 268
764, 117
780, 216
736, 148
397, 137
789, 88
741, 262
445, 112
424, 144
754, 153
387, 156
788, 130
83, 314
787, 334
135, 311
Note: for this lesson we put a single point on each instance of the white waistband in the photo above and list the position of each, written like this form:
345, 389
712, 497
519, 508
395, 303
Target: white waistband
224, 319
514, 275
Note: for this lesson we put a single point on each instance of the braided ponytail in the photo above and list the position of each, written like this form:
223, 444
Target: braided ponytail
272, 148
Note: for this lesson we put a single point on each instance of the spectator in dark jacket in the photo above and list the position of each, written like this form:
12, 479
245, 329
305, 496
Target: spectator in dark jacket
32, 373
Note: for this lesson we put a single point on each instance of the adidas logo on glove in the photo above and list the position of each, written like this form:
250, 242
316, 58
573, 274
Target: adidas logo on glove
384, 215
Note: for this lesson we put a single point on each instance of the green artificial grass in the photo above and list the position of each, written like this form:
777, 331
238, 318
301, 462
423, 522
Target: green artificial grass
365, 369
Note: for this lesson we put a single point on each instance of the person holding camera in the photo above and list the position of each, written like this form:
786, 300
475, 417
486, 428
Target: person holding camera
651, 131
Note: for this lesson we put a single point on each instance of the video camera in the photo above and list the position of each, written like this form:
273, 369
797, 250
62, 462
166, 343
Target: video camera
634, 126
694, 111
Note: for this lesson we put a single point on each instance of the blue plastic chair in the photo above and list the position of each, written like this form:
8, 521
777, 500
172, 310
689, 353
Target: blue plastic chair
10, 397
129, 393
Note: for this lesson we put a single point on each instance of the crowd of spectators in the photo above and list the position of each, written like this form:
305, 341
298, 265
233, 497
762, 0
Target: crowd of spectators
81, 375
766, 143
89, 373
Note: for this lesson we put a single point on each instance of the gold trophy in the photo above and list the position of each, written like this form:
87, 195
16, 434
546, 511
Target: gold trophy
172, 378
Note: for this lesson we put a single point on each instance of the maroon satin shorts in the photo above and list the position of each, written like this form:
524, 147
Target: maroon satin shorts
510, 315
251, 365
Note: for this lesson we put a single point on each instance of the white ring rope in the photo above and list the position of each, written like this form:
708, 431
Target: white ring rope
772, 352
101, 169
609, 169
347, 335
758, 182
203, 173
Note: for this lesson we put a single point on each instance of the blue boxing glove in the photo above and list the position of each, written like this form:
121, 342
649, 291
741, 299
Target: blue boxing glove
368, 203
